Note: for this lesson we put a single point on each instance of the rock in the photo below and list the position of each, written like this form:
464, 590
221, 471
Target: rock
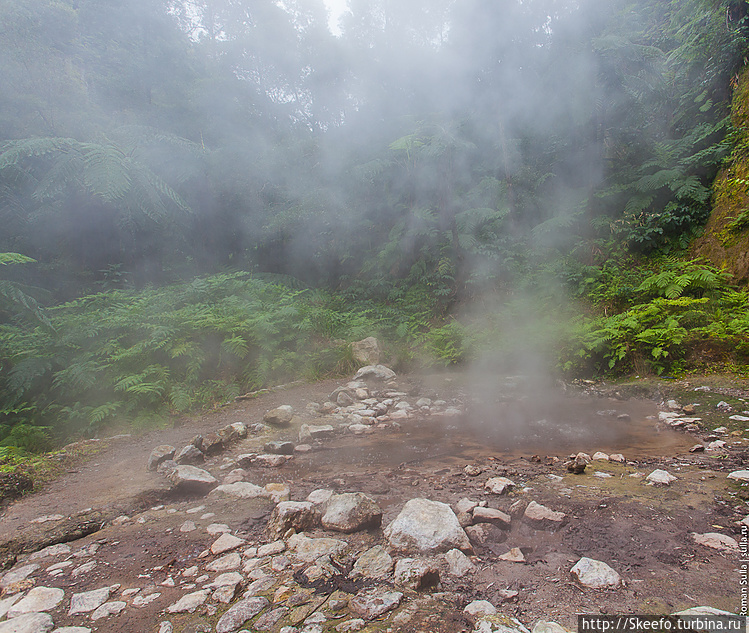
660, 477
491, 515
703, 611
617, 457
737, 475
61, 549
109, 608
416, 573
717, 445
499, 623
212, 444
189, 455
261, 585
297, 515
37, 600
375, 373
472, 470
235, 476
239, 490
350, 512
600, 456
374, 603
344, 398
458, 564
279, 448
697, 448
466, 505
515, 555
237, 615
144, 601
542, 518
271, 549
367, 351
160, 454
542, 626
267, 621
308, 432
718, 541
16, 575
281, 416
270, 461
374, 563
192, 479
485, 532
478, 609
28, 623
595, 574
225, 543
351, 626
737, 418
88, 601
426, 527
188, 603
225, 563
578, 463
499, 485
310, 549
232, 432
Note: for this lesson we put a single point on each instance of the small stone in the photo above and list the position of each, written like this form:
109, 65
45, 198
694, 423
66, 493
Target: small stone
350, 512
600, 456
322, 495
458, 563
216, 528
188, 603
271, 549
473, 470
192, 479
160, 454
297, 515
425, 526
310, 549
737, 475
697, 448
595, 574
187, 526
515, 555
660, 477
270, 461
278, 492
374, 603
718, 541
237, 615
499, 485
374, 563
542, 518
225, 563
16, 575
239, 490
491, 515
617, 457
351, 626
281, 416
37, 600
478, 609
225, 543
542, 626
108, 609
143, 601
189, 455
235, 476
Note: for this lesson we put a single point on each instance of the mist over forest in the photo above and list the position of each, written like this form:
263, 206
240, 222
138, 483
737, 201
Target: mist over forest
202, 197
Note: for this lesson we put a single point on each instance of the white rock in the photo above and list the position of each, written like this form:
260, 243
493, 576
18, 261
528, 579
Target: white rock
321, 495
499, 485
38, 599
479, 608
108, 609
28, 623
661, 477
17, 574
225, 543
61, 549
142, 601
515, 555
599, 456
425, 526
7, 603
542, 626
738, 475
542, 518
239, 490
225, 563
458, 563
87, 601
310, 549
188, 603
595, 574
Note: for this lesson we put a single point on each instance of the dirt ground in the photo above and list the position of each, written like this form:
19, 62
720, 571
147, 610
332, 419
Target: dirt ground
642, 531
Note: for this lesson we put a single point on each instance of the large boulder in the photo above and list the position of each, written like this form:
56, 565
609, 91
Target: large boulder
426, 527
351, 511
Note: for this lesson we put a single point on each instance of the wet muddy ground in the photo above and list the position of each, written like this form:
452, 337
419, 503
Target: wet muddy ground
525, 434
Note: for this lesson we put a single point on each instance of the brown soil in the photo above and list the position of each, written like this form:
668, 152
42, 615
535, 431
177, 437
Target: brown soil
641, 531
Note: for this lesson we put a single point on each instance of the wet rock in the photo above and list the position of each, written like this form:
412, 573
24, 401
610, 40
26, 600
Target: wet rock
515, 555
189, 455
279, 448
37, 600
479, 609
542, 518
191, 479
160, 454
737, 475
239, 490
188, 603
237, 615
350, 512
458, 564
425, 526
367, 351
374, 563
491, 515
595, 574
310, 549
28, 623
416, 574
374, 603
297, 515
499, 485
280, 416
87, 601
718, 541
660, 477
108, 609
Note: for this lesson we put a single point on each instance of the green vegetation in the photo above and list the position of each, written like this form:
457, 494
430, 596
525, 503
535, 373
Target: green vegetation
200, 199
